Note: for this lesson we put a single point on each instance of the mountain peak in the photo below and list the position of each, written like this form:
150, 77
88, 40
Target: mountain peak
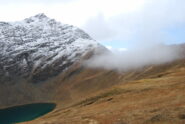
40, 47
40, 16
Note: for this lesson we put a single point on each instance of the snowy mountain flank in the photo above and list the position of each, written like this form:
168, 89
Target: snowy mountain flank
39, 47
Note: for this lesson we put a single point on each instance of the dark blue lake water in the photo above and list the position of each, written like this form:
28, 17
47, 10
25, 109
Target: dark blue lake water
24, 113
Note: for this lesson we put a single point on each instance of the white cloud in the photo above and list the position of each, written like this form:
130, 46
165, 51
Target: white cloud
128, 60
116, 50
98, 27
147, 25
109, 47
75, 12
5, 2
122, 49
146, 28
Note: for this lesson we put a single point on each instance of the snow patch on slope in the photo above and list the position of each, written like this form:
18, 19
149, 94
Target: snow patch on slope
39, 42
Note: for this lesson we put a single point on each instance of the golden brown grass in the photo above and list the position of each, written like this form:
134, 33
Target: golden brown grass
155, 95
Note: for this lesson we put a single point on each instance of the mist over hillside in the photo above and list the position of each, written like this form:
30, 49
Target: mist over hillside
134, 59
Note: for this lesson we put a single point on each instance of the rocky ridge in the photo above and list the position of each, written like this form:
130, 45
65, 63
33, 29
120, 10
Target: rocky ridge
39, 47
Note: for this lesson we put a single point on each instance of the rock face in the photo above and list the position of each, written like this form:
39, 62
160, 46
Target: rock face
39, 47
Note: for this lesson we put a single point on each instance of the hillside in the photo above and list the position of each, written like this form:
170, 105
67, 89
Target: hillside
152, 95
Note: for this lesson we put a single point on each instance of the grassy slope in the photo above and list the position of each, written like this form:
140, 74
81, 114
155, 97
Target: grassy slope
153, 95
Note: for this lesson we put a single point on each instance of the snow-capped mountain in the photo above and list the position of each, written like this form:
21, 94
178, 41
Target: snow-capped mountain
39, 47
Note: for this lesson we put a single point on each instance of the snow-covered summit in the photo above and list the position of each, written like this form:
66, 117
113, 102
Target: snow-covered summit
38, 47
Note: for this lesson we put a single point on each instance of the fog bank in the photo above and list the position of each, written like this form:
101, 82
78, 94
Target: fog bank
134, 59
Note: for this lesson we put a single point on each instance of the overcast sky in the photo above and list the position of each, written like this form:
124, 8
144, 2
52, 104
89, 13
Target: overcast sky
122, 24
